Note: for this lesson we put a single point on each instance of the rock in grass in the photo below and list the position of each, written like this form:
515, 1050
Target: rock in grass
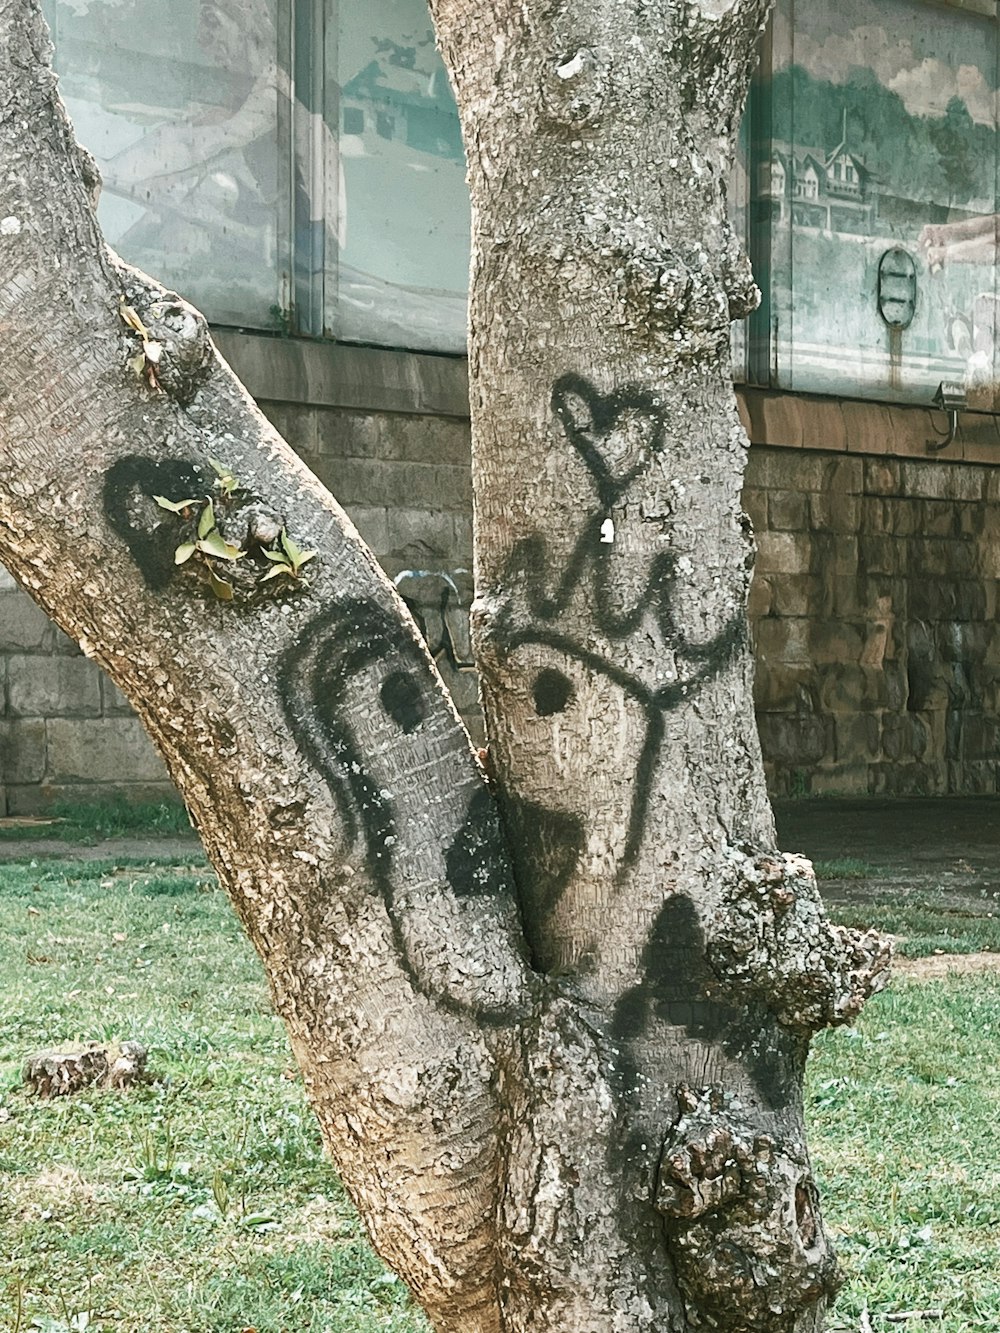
72, 1068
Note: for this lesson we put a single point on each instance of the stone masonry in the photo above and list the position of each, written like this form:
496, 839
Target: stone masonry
873, 606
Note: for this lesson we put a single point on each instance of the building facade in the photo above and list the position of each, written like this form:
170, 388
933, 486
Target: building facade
294, 167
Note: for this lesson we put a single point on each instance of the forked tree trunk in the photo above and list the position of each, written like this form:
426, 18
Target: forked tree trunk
564, 1088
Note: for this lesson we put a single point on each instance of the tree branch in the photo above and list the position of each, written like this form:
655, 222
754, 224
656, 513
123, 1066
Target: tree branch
300, 716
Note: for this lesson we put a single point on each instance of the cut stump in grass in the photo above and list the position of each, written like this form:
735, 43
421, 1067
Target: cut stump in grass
75, 1067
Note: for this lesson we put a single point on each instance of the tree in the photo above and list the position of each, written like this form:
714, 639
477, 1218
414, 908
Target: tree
554, 1025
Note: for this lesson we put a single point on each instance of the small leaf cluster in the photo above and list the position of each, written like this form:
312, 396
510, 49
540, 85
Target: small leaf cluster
210, 546
146, 361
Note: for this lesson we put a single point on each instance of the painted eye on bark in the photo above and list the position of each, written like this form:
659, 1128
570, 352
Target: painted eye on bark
403, 700
552, 691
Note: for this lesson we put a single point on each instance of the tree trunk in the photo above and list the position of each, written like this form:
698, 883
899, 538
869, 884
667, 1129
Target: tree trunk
564, 1090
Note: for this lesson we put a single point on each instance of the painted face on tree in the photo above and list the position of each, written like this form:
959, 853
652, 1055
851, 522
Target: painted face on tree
361, 704
586, 700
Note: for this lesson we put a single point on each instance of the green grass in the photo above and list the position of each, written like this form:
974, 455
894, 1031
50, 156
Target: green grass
927, 924
201, 1203
111, 819
845, 867
903, 1112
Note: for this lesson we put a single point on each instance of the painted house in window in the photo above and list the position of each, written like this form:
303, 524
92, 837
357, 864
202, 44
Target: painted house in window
402, 97
829, 192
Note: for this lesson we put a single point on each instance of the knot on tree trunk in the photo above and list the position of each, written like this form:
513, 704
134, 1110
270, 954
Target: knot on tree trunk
769, 934
681, 300
574, 86
170, 343
741, 1215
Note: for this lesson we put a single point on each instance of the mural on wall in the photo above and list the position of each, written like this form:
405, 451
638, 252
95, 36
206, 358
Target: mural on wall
179, 104
404, 256
878, 185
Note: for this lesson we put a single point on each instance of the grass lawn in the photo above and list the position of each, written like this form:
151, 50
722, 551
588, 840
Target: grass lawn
201, 1203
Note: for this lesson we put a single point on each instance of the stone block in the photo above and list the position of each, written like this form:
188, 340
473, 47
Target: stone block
7, 581
53, 687
347, 434
785, 689
881, 555
823, 424
939, 518
796, 595
848, 688
835, 641
795, 739
755, 503
788, 511
867, 427
856, 739
834, 553
931, 599
972, 519
882, 476
783, 553
424, 439
294, 422
113, 702
943, 481
22, 752
831, 512
847, 596
376, 482
111, 750
780, 418
24, 626
782, 640
785, 470
759, 602
462, 539
841, 780
844, 476
416, 535
373, 527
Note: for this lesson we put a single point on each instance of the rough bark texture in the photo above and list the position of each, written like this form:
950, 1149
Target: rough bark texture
593, 1122
661, 1126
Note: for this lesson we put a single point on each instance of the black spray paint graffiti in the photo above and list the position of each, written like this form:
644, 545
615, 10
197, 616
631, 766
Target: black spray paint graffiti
350, 655
616, 436
129, 486
679, 989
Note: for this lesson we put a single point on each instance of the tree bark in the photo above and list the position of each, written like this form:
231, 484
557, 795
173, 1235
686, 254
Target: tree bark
563, 1088
612, 569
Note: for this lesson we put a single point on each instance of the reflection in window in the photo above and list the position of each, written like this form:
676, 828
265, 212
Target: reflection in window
179, 103
404, 212
883, 135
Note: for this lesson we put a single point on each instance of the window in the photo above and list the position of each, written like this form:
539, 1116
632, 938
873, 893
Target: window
184, 106
398, 268
888, 109
281, 162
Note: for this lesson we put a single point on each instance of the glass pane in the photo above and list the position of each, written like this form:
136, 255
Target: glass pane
180, 105
879, 184
404, 214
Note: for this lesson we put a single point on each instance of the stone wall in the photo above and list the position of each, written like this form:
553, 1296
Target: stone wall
873, 604
874, 610
66, 733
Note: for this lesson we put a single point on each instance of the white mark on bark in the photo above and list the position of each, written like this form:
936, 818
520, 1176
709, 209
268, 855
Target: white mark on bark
10, 226
608, 530
572, 67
